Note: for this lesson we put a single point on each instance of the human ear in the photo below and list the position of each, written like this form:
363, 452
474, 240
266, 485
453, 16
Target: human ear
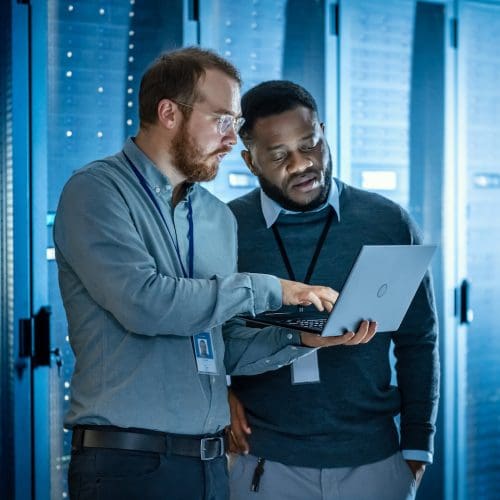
247, 158
168, 113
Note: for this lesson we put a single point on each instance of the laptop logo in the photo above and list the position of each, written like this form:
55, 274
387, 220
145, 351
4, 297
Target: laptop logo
382, 290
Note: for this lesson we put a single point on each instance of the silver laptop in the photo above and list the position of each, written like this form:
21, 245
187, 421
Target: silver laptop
380, 287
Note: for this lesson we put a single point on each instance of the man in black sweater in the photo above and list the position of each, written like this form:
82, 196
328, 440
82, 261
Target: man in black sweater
334, 437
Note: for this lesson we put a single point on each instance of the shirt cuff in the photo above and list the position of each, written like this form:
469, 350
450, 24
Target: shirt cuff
293, 336
267, 293
419, 455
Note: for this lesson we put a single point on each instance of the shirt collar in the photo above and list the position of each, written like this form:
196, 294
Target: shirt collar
271, 210
157, 182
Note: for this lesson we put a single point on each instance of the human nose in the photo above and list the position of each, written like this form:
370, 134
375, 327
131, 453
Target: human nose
298, 162
230, 136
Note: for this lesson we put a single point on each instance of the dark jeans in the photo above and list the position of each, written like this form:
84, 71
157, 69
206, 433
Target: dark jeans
96, 473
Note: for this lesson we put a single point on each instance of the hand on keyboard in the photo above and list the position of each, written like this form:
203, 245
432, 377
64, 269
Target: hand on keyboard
299, 294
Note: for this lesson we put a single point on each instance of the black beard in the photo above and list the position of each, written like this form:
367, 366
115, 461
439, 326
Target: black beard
276, 193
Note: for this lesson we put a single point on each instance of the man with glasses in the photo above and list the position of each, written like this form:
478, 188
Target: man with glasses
147, 271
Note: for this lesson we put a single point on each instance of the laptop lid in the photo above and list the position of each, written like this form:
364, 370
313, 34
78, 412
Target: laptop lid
380, 287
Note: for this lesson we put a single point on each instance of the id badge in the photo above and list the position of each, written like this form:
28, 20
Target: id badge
204, 353
305, 370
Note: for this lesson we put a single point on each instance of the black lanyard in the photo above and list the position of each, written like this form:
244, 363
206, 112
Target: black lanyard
317, 251
145, 186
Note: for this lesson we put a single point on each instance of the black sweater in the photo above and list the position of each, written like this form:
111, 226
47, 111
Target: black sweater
348, 418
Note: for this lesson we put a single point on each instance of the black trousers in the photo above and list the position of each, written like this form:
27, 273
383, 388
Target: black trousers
104, 474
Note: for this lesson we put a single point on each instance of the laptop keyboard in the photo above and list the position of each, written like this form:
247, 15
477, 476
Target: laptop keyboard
314, 324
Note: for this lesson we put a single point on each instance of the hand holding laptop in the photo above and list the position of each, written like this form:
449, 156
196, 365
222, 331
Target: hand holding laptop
299, 294
323, 297
364, 334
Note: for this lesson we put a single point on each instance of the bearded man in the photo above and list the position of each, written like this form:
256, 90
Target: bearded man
147, 271
337, 438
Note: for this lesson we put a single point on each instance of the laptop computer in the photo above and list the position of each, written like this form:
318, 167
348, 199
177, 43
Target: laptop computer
380, 287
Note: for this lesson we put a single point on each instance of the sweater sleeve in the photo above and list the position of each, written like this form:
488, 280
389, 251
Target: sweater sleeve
417, 365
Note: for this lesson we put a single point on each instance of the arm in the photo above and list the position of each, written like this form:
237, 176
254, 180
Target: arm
417, 361
96, 240
250, 351
253, 350
416, 350
417, 367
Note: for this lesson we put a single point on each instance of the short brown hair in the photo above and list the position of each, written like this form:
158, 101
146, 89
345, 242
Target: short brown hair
174, 75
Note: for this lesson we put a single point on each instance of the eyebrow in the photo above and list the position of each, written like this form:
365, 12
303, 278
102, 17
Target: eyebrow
278, 146
223, 111
219, 111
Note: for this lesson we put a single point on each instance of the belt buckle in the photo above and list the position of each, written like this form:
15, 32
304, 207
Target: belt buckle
203, 448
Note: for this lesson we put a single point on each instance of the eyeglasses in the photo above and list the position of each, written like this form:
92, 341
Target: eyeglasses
224, 122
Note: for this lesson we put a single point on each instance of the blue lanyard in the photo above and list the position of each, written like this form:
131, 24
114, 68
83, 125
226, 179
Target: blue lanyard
145, 186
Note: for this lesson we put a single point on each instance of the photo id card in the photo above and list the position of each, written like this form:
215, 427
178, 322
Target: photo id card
204, 353
305, 370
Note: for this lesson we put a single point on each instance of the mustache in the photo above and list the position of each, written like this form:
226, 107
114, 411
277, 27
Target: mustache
308, 170
222, 151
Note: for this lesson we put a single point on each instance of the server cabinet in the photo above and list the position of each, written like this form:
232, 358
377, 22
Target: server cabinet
17, 270
479, 249
392, 92
15, 373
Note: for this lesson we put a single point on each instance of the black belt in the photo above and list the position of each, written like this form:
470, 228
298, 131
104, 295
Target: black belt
204, 448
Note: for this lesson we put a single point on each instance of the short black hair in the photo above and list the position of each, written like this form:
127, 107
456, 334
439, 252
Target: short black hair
272, 98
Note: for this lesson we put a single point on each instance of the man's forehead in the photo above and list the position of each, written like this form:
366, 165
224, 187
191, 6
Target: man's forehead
220, 90
298, 123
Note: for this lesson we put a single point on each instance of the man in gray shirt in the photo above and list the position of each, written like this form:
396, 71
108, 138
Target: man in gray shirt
147, 271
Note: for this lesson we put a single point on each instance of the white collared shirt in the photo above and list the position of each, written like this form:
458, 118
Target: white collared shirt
271, 210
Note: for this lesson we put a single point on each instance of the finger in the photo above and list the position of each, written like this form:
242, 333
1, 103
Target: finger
235, 446
331, 294
326, 294
315, 300
372, 330
327, 305
233, 443
360, 334
239, 439
242, 419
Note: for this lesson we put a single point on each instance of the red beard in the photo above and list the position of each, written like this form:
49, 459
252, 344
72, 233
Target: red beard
190, 161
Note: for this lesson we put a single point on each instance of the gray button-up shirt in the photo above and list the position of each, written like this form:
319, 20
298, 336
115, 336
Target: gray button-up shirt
132, 312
